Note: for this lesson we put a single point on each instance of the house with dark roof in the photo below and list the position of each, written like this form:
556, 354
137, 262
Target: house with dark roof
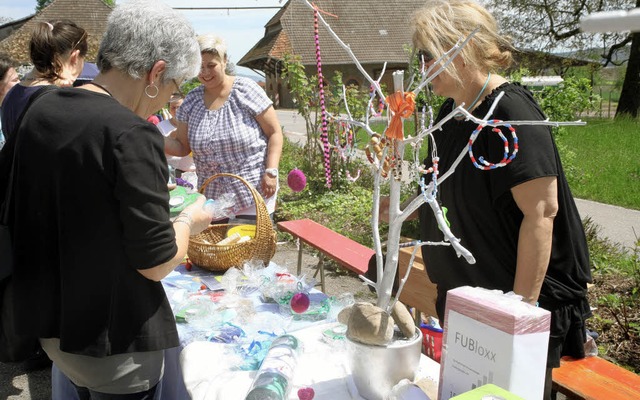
376, 32
6, 29
89, 14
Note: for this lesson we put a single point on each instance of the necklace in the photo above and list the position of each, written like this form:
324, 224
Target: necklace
486, 83
102, 87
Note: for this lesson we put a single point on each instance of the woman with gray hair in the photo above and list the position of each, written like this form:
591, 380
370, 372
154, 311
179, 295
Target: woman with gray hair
90, 212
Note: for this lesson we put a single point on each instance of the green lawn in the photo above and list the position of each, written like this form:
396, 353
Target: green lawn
607, 161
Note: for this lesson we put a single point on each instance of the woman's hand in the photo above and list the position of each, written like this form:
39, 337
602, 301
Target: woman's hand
269, 185
200, 219
192, 220
272, 129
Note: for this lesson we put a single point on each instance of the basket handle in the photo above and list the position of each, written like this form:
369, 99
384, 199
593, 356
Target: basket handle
262, 214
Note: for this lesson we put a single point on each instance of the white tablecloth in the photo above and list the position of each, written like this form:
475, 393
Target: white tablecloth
321, 365
205, 370
172, 385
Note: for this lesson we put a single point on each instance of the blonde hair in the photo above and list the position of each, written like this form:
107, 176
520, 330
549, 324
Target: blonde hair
213, 44
442, 23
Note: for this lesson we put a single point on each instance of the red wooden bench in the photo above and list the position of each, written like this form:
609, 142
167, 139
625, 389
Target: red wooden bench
595, 378
346, 252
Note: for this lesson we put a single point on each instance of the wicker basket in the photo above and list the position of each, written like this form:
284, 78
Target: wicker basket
206, 254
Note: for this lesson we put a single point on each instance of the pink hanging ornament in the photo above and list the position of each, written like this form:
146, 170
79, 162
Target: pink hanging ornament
296, 180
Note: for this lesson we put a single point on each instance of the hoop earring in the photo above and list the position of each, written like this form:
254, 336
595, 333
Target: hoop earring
146, 91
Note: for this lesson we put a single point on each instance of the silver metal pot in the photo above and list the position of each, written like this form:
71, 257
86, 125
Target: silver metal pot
377, 369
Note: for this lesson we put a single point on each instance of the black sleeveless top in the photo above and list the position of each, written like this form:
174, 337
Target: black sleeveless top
484, 215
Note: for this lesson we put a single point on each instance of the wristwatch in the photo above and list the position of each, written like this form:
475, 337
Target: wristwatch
272, 172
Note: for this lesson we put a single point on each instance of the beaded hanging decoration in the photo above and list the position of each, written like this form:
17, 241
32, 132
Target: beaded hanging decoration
417, 168
402, 105
345, 145
344, 140
372, 95
485, 165
324, 136
430, 195
375, 153
395, 159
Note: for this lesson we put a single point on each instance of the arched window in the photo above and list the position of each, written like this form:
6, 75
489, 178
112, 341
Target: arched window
352, 82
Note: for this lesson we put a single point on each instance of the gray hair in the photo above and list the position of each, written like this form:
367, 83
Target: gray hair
141, 32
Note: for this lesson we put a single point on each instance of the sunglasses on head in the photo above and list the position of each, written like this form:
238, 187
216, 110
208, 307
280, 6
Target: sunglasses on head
425, 56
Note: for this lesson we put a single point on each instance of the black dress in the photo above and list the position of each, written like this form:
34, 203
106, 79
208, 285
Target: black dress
484, 215
90, 209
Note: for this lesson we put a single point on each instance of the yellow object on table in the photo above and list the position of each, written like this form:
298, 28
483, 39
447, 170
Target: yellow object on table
242, 230
205, 252
487, 392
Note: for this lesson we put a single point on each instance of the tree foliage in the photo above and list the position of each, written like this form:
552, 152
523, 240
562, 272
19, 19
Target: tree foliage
554, 25
40, 4
342, 138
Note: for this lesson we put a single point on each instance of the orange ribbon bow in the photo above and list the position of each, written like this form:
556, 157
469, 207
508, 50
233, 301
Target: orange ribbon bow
402, 105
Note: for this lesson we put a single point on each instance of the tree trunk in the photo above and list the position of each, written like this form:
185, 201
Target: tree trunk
629, 104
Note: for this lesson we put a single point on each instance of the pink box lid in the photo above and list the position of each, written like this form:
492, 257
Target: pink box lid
505, 312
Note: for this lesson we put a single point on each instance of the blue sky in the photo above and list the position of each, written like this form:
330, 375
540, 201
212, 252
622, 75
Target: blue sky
240, 28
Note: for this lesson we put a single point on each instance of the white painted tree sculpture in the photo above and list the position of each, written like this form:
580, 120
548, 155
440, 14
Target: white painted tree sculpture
386, 269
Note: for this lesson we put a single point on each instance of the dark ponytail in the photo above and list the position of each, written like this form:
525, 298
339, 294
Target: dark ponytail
51, 42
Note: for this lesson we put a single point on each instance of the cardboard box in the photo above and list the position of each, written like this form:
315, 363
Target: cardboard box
491, 337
